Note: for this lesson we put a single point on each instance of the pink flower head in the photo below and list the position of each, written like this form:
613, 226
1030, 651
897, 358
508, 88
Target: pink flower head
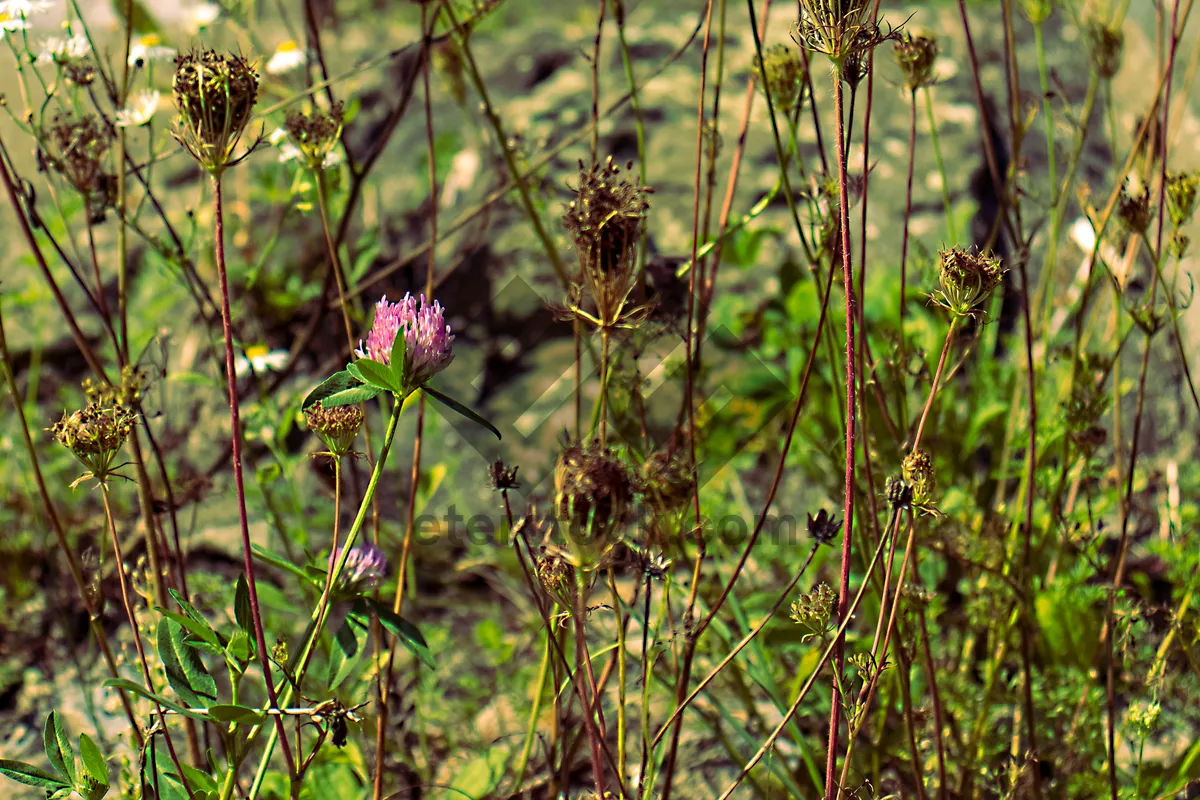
366, 566
427, 337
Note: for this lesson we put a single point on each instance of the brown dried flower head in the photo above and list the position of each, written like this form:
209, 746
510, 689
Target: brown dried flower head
337, 427
315, 133
95, 434
967, 278
503, 477
840, 29
557, 576
1134, 209
666, 481
593, 495
215, 94
78, 149
1105, 46
916, 56
605, 221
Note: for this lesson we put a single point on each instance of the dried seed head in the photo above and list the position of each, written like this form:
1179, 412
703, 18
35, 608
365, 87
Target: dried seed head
666, 481
215, 94
967, 278
605, 221
1179, 244
315, 133
337, 426
1181, 196
557, 576
824, 527
783, 76
503, 477
79, 72
1105, 46
96, 433
918, 473
593, 493
839, 29
899, 494
1134, 209
916, 56
78, 149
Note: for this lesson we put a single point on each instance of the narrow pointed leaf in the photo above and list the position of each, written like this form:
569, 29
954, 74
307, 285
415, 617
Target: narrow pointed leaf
459, 408
348, 647
227, 712
93, 759
129, 686
58, 746
185, 671
399, 627
30, 775
398, 358
276, 561
241, 605
192, 612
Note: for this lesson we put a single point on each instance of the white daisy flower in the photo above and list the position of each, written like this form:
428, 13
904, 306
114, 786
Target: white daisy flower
287, 57
196, 18
148, 48
56, 49
10, 23
139, 108
23, 9
259, 359
289, 152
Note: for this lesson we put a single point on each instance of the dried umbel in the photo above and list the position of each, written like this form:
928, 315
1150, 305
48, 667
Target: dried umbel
77, 148
337, 427
967, 278
503, 477
840, 29
783, 76
427, 338
215, 94
95, 434
667, 481
1134, 210
916, 56
365, 567
605, 221
557, 576
315, 133
1105, 46
1181, 196
918, 473
593, 494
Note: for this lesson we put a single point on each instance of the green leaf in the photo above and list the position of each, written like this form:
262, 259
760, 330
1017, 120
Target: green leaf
241, 605
227, 712
239, 646
399, 627
340, 389
58, 746
200, 780
277, 561
93, 759
202, 632
377, 374
30, 775
398, 358
459, 408
198, 618
141, 691
185, 671
348, 646
139, 20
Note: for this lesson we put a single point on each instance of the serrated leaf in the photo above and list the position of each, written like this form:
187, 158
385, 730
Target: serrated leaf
93, 759
241, 605
377, 374
58, 746
30, 775
460, 409
348, 646
395, 624
185, 671
129, 686
228, 712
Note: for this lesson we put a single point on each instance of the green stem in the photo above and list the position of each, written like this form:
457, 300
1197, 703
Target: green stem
527, 748
951, 231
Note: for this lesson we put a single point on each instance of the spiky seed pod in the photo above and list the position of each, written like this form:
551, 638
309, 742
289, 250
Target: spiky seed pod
918, 473
1181, 196
215, 94
337, 427
593, 496
315, 133
839, 29
605, 221
916, 56
967, 278
1105, 47
1134, 209
783, 76
824, 527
